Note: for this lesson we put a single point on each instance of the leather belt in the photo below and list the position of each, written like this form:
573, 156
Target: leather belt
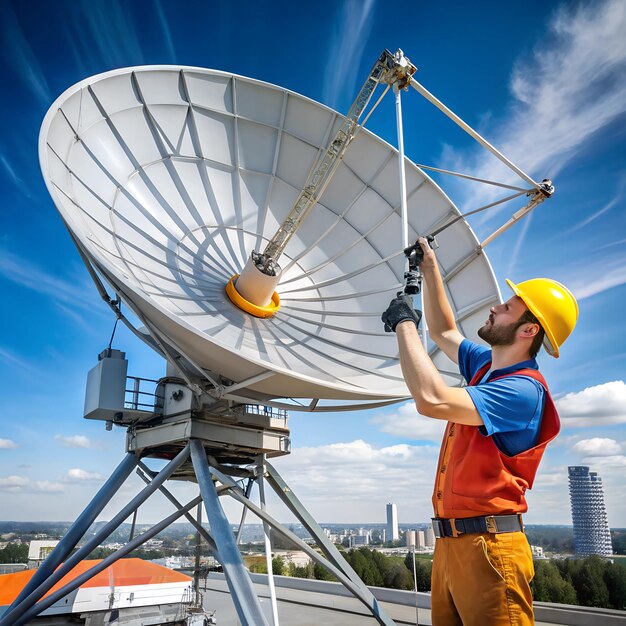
443, 527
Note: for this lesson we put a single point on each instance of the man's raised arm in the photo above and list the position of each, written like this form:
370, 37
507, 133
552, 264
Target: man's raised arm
441, 323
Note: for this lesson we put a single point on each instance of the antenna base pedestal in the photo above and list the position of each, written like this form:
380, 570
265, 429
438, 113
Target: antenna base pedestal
238, 437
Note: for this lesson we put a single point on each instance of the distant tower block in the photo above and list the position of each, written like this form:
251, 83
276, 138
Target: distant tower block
420, 540
429, 537
392, 522
591, 527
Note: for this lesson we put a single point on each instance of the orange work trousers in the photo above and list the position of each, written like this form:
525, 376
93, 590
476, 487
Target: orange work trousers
482, 580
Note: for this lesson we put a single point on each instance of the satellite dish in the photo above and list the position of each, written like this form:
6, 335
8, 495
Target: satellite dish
169, 177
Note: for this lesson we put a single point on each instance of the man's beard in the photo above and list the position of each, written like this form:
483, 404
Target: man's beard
498, 335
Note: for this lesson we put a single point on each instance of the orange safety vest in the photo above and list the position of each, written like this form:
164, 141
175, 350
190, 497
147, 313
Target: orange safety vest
475, 478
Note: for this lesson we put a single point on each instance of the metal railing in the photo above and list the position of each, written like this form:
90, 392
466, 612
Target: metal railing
274, 413
140, 400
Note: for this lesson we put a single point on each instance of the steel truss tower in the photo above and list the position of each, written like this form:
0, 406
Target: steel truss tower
224, 449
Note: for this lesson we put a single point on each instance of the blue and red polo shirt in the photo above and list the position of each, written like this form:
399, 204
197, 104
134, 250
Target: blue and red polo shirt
510, 408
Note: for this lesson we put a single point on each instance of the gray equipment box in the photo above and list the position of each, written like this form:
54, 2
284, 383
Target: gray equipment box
106, 386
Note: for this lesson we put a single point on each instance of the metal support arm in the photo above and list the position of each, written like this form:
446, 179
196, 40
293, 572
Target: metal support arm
536, 198
145, 474
389, 68
295, 506
96, 569
242, 592
9, 618
77, 530
470, 131
353, 583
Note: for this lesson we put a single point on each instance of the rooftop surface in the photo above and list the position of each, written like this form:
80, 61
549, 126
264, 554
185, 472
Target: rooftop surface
314, 603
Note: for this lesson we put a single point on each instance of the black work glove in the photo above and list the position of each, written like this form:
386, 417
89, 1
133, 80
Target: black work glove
399, 310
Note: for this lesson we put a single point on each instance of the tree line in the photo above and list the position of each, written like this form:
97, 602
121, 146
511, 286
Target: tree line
592, 581
14, 553
372, 567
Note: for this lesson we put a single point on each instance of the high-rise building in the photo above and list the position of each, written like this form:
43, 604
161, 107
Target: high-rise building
429, 537
392, 522
591, 527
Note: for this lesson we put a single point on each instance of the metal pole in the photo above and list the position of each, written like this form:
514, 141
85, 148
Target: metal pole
196, 571
470, 131
136, 393
242, 592
534, 203
76, 532
417, 617
356, 587
244, 511
103, 533
132, 526
404, 215
401, 168
328, 548
268, 544
288, 497
179, 506
112, 558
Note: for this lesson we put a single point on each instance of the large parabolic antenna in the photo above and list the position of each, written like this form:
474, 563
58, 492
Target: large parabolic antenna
169, 177
172, 181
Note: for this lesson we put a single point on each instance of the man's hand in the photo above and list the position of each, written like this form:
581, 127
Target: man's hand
429, 261
399, 310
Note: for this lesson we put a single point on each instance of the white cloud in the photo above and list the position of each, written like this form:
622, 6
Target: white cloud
611, 468
406, 422
21, 484
107, 33
557, 106
22, 60
45, 486
615, 201
167, 33
7, 444
347, 46
10, 170
74, 441
17, 362
601, 274
594, 406
352, 481
80, 475
13, 483
597, 446
76, 291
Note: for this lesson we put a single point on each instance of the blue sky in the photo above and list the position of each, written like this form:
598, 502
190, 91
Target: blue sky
543, 81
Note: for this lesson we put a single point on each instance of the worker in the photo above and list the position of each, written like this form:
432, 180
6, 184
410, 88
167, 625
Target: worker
498, 427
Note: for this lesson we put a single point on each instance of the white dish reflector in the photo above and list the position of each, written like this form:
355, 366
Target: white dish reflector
169, 177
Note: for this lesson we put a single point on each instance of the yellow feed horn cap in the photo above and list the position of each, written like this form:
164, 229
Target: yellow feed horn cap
239, 301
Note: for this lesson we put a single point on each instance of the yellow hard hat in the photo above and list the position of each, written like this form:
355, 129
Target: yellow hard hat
553, 305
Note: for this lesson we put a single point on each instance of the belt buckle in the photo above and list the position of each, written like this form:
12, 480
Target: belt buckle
437, 528
492, 526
